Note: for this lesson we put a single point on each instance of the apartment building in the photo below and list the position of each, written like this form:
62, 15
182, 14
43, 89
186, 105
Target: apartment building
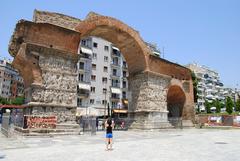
102, 78
11, 83
209, 85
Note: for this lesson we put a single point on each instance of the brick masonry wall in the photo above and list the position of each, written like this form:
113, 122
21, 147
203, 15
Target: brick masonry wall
56, 19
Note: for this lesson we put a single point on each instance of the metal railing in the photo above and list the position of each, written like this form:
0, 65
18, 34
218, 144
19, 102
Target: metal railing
87, 125
5, 128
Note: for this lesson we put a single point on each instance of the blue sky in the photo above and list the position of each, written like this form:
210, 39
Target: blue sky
206, 31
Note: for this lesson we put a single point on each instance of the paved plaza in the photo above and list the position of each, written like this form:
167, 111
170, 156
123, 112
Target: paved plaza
165, 145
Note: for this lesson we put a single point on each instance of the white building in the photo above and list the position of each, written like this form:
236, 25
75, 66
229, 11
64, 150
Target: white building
102, 78
209, 85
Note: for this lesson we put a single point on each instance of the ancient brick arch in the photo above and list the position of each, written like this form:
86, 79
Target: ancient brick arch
124, 37
45, 52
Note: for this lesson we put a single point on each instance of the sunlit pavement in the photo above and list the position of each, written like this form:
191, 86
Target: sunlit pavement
165, 145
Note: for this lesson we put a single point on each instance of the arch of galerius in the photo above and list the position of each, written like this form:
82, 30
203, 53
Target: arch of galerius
45, 52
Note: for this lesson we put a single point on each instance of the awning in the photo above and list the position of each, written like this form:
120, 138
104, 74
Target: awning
86, 50
120, 111
116, 90
125, 101
84, 86
115, 48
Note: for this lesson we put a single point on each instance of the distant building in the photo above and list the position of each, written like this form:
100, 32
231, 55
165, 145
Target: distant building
209, 85
11, 83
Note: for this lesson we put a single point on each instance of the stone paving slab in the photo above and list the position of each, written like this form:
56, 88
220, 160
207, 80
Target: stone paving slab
170, 145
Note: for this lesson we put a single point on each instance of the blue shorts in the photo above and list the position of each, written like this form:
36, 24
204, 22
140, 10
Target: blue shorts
109, 135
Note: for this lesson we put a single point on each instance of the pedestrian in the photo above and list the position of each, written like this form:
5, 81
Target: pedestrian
109, 125
122, 125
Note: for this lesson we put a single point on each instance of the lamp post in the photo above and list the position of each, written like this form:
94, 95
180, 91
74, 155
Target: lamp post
105, 101
106, 104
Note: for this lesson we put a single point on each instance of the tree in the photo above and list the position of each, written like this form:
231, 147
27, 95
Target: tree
229, 105
238, 105
15, 101
217, 104
222, 105
207, 106
195, 83
3, 101
18, 101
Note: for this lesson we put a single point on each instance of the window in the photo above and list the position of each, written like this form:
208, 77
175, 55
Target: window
115, 96
124, 95
104, 102
81, 65
106, 58
124, 64
93, 89
104, 79
124, 73
104, 90
80, 77
114, 105
106, 48
95, 44
79, 102
93, 77
91, 101
115, 83
94, 66
105, 69
84, 43
124, 84
115, 61
94, 55
115, 72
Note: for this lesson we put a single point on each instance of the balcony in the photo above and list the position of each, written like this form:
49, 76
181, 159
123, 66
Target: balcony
116, 52
86, 53
115, 97
200, 101
116, 85
209, 84
210, 97
200, 95
116, 75
83, 93
124, 66
115, 64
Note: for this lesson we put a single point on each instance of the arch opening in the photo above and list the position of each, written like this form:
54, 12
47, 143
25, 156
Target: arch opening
121, 35
175, 102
